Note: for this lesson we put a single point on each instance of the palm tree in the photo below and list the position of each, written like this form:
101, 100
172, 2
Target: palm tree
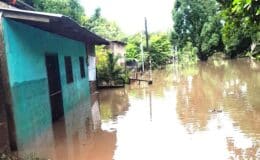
111, 72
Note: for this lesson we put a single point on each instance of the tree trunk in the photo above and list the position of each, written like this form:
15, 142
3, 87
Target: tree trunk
203, 57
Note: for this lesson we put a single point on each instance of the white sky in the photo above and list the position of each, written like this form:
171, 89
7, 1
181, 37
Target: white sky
129, 14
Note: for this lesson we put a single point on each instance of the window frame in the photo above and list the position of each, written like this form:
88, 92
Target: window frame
82, 67
68, 69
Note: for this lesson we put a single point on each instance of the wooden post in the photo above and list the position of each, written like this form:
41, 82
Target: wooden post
146, 34
147, 48
142, 52
5, 88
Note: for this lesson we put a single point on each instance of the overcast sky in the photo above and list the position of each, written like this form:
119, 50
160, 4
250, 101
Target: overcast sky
129, 14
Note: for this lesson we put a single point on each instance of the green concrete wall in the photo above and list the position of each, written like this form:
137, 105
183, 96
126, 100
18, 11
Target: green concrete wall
25, 48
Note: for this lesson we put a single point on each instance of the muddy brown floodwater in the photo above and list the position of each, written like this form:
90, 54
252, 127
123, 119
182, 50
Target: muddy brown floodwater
209, 111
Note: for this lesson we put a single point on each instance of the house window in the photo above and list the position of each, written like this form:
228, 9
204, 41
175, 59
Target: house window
82, 68
68, 69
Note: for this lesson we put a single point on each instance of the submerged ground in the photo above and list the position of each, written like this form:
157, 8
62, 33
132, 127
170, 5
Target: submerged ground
172, 119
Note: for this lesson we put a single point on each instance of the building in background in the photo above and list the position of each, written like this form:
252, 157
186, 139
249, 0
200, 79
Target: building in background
118, 49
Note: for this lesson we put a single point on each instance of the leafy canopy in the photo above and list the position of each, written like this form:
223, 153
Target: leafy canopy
160, 48
103, 27
241, 28
71, 8
194, 22
133, 50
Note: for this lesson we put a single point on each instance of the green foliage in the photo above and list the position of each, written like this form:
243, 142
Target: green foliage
101, 55
193, 23
241, 27
188, 55
211, 39
71, 8
160, 49
109, 71
108, 29
133, 50
258, 56
199, 22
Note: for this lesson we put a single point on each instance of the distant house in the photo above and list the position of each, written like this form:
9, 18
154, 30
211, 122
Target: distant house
118, 49
43, 72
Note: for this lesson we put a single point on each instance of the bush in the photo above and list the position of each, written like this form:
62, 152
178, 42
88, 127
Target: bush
109, 71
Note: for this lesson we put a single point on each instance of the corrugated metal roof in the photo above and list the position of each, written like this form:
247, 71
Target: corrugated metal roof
54, 23
119, 42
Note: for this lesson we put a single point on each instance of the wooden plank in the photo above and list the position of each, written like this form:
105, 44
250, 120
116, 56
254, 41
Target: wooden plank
141, 80
6, 99
107, 87
136, 79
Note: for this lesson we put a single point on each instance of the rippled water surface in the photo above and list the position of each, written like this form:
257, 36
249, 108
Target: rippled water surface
210, 111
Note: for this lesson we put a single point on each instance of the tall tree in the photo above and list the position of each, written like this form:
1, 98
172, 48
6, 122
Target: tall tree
108, 29
160, 48
189, 18
242, 25
71, 8
211, 39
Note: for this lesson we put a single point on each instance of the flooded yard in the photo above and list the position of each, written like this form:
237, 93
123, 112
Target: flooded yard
209, 111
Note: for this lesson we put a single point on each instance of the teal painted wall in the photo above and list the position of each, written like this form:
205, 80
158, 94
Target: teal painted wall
25, 48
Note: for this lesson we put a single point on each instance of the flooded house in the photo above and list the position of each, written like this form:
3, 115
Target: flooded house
46, 70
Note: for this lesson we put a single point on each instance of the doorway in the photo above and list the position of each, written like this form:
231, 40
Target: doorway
55, 91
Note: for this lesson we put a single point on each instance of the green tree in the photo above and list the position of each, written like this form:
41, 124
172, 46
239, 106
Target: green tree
160, 49
189, 18
109, 71
133, 50
188, 55
103, 27
241, 27
211, 39
71, 8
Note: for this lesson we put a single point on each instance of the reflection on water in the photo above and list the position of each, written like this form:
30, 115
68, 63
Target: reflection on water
171, 119
77, 136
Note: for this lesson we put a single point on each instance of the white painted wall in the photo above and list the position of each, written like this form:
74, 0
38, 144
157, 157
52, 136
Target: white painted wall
91, 68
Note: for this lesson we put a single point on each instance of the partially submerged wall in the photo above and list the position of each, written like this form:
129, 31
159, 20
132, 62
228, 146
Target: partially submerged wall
4, 139
26, 47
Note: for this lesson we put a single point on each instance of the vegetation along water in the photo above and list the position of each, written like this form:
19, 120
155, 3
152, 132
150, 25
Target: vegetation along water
204, 102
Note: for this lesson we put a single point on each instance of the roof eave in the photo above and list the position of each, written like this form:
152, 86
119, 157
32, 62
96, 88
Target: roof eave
51, 19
